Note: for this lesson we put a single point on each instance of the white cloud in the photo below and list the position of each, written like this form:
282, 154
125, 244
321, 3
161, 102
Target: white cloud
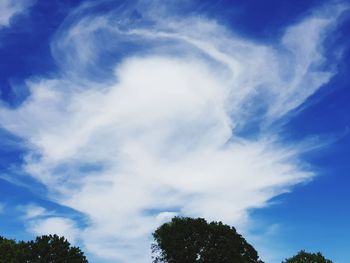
11, 8
159, 137
33, 211
55, 225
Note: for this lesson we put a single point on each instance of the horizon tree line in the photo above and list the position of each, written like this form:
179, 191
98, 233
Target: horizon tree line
182, 240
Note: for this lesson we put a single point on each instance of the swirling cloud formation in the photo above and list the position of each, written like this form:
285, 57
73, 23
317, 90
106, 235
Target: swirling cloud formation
148, 118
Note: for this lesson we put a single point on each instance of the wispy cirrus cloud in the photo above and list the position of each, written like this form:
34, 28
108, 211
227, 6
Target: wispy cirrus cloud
144, 122
33, 211
11, 8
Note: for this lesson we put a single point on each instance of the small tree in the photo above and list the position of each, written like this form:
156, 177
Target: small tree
53, 248
12, 252
187, 240
304, 257
44, 249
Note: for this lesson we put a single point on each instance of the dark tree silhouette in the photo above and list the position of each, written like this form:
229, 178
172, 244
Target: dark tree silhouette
12, 252
44, 249
188, 240
305, 257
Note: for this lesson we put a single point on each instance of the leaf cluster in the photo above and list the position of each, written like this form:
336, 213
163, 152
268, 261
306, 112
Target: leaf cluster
188, 240
305, 257
44, 249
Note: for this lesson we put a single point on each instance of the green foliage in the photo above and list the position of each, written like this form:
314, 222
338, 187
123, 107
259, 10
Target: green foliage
45, 249
187, 240
304, 257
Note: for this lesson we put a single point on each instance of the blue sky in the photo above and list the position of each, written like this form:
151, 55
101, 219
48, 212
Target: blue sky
117, 115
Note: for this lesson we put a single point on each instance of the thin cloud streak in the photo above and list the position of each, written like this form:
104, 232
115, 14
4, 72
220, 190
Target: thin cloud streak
158, 136
11, 8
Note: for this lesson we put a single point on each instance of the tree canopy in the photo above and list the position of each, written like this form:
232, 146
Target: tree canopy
305, 257
44, 249
182, 240
188, 240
